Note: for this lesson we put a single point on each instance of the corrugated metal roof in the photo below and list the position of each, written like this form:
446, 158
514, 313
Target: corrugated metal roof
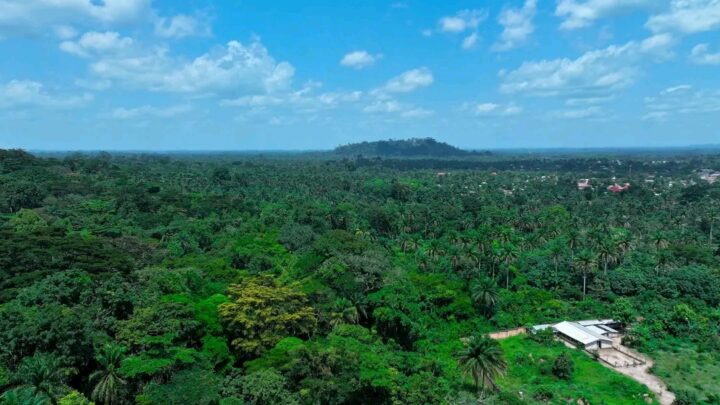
579, 333
597, 329
607, 328
596, 322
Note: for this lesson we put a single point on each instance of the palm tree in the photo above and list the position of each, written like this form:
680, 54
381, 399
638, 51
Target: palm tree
607, 253
23, 396
585, 261
483, 359
485, 293
557, 250
43, 374
660, 240
509, 255
344, 312
109, 383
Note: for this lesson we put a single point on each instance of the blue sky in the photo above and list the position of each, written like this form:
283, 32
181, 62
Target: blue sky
237, 75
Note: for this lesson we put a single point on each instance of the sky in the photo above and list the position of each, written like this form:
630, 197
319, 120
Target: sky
314, 74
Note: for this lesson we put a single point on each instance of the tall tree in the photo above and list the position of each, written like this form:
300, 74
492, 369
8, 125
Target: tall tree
485, 294
585, 262
44, 374
483, 359
108, 382
261, 312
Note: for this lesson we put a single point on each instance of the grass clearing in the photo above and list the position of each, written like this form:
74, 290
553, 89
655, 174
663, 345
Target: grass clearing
530, 372
688, 370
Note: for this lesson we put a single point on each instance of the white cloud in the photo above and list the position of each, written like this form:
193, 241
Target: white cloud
397, 108
580, 113
303, 99
658, 46
182, 26
470, 41
582, 13
359, 59
517, 25
408, 81
29, 94
682, 99
234, 68
65, 32
575, 102
491, 109
149, 112
687, 16
21, 17
96, 42
464, 20
594, 74
700, 55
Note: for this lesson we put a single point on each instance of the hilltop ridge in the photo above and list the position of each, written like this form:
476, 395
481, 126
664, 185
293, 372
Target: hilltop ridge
427, 147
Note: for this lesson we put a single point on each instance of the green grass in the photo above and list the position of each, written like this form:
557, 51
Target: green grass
530, 372
686, 369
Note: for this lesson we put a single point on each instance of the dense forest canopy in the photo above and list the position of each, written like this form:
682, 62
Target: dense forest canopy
159, 279
414, 147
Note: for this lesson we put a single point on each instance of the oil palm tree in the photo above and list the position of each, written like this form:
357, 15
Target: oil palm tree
585, 262
43, 374
483, 359
607, 253
108, 384
485, 294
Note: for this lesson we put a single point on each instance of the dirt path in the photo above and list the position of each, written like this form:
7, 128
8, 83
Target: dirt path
642, 375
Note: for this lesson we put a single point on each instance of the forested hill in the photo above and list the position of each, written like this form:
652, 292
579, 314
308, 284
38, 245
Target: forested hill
426, 147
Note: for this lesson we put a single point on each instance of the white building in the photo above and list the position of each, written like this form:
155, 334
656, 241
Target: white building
590, 335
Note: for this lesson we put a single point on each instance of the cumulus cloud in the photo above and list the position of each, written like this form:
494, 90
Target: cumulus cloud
182, 26
359, 59
96, 42
582, 13
29, 94
688, 17
464, 20
682, 99
593, 74
35, 16
304, 99
408, 81
517, 25
461, 22
234, 68
397, 108
487, 109
470, 41
149, 112
701, 55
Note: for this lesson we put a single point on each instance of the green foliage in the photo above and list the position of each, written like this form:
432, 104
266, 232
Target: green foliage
483, 360
348, 281
27, 221
194, 386
530, 371
261, 312
44, 375
108, 382
75, 398
262, 387
563, 367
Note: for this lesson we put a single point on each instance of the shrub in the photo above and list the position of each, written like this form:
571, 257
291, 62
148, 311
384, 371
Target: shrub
563, 367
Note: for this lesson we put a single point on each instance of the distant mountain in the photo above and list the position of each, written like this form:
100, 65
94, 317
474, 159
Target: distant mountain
425, 147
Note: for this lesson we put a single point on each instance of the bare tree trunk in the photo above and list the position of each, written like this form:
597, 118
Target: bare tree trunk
584, 283
711, 232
